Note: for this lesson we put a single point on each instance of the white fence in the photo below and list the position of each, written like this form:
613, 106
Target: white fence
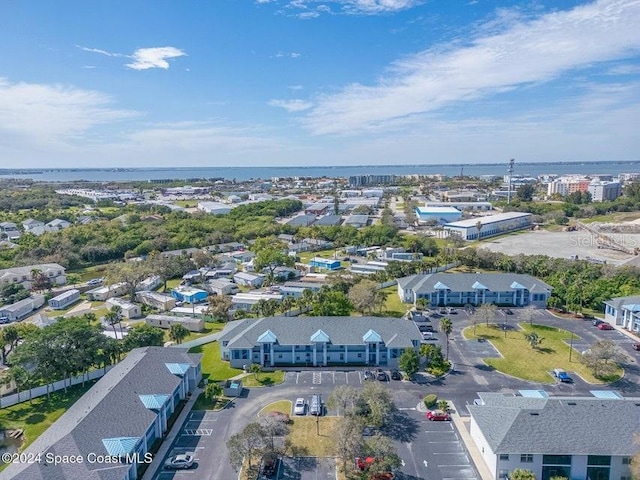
23, 396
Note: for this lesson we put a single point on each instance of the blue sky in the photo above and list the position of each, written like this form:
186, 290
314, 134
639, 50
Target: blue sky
311, 82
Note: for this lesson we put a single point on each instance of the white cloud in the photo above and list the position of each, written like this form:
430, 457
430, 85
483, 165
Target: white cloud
352, 7
54, 114
89, 67
295, 87
288, 55
156, 57
295, 105
101, 52
526, 53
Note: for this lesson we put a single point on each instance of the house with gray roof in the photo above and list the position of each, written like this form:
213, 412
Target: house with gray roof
623, 311
458, 289
572, 437
318, 341
114, 426
55, 274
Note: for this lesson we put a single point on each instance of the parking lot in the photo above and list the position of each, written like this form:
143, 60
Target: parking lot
308, 378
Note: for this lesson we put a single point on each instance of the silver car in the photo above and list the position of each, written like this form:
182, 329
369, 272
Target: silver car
300, 407
181, 461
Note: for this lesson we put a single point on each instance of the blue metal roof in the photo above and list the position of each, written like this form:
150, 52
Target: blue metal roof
178, 368
608, 394
118, 447
534, 393
153, 402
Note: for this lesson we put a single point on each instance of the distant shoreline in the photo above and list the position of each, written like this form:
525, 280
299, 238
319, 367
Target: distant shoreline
124, 174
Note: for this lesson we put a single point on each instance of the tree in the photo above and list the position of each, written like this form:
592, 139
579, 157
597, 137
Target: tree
271, 253
348, 441
409, 362
144, 336
522, 474
528, 313
363, 296
534, 339
256, 369
10, 338
378, 401
343, 399
446, 327
422, 303
169, 266
287, 304
601, 358
113, 317
213, 392
479, 226
331, 303
178, 332
246, 444
273, 427
129, 273
219, 307
487, 312
525, 192
386, 457
39, 280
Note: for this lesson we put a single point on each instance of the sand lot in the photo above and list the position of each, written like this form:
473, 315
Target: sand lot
562, 245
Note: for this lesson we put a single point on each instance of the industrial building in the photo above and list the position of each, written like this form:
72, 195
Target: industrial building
490, 226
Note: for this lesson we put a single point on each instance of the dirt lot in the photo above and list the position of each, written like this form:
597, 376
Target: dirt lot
562, 245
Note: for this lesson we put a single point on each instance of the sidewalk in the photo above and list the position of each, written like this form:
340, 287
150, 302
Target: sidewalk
171, 436
462, 425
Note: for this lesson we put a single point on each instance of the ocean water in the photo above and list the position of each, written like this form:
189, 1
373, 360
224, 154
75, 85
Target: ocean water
247, 173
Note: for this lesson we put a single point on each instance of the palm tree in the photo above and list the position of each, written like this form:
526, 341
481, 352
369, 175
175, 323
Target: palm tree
287, 304
479, 228
533, 339
446, 327
113, 317
178, 332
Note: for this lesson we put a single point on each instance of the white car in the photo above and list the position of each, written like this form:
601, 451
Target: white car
177, 462
300, 407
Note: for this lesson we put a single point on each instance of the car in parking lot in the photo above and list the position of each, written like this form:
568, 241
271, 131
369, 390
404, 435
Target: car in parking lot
451, 311
425, 328
381, 375
605, 326
395, 375
442, 310
4, 320
562, 375
300, 407
636, 346
269, 465
597, 322
428, 336
315, 406
438, 416
368, 375
95, 281
180, 461
507, 311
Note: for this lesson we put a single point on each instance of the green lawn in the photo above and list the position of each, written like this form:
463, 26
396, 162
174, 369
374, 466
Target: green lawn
209, 328
522, 361
171, 284
264, 379
35, 417
393, 307
282, 406
203, 403
213, 367
305, 257
89, 273
307, 440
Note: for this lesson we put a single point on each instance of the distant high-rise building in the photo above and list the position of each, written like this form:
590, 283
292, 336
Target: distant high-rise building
365, 180
566, 185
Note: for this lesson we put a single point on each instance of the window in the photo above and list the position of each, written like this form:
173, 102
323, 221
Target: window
599, 460
225, 343
504, 456
504, 474
526, 458
359, 355
626, 460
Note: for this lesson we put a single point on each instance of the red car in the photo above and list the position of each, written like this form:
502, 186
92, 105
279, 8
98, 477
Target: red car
438, 416
605, 326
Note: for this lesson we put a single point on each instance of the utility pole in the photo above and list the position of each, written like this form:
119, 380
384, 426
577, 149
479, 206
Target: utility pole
510, 173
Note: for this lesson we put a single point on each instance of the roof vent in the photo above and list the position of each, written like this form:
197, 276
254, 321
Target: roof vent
571, 403
534, 413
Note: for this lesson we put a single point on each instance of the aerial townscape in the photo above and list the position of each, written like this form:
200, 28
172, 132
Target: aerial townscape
303, 240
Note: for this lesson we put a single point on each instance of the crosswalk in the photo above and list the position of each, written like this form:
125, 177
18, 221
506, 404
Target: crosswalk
198, 432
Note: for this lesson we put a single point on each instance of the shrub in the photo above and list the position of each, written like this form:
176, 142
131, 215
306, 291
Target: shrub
430, 400
443, 405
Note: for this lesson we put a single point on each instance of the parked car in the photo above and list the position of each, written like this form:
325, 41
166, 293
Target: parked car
181, 461
367, 375
395, 374
605, 326
300, 407
315, 406
562, 375
381, 375
597, 322
451, 311
269, 464
4, 320
636, 346
442, 310
95, 281
438, 416
508, 311
425, 328
428, 336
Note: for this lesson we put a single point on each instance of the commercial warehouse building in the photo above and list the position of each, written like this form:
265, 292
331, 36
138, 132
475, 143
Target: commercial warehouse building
490, 226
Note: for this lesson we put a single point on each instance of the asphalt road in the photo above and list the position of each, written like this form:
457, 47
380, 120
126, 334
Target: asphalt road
430, 450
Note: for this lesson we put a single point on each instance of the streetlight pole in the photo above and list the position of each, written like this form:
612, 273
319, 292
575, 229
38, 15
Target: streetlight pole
570, 347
